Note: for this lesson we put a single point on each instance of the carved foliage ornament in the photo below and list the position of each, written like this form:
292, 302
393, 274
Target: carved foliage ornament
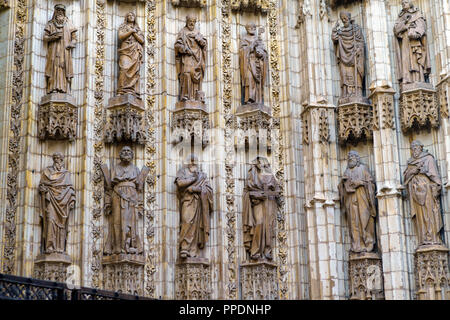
193, 281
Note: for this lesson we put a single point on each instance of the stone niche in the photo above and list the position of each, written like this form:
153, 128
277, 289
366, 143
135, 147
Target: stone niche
57, 117
189, 3
52, 267
419, 107
193, 279
432, 274
259, 280
124, 273
355, 120
126, 120
366, 276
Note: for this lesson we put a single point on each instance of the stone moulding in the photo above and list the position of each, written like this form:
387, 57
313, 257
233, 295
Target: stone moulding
124, 273
259, 281
193, 279
432, 273
366, 277
355, 121
126, 120
250, 5
190, 120
57, 117
189, 3
419, 107
52, 267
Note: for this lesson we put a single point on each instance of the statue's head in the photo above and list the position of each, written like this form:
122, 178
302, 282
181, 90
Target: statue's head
190, 22
126, 154
60, 12
353, 159
192, 163
416, 148
58, 160
130, 17
346, 18
262, 164
251, 28
407, 4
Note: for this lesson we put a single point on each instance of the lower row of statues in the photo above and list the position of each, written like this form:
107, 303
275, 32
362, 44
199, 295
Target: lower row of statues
124, 185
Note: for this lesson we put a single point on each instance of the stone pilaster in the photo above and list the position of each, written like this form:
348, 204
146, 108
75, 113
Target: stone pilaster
193, 279
259, 281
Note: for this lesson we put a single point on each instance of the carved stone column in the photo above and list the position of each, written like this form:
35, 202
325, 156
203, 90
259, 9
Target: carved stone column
419, 106
57, 117
432, 273
366, 277
259, 281
193, 279
52, 267
124, 273
126, 120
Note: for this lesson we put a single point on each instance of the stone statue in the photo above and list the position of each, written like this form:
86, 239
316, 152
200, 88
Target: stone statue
413, 63
253, 60
60, 35
195, 199
190, 58
424, 188
57, 197
357, 193
131, 50
349, 47
124, 203
260, 207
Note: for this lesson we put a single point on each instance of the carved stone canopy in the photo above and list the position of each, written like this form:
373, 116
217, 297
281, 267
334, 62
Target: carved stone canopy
355, 121
335, 3
4, 4
189, 3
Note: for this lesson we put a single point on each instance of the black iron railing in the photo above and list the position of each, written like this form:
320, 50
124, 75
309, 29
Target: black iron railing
21, 288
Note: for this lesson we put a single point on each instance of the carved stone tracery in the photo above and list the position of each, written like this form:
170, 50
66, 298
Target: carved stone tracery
259, 281
355, 122
189, 3
193, 280
366, 277
250, 5
124, 273
190, 122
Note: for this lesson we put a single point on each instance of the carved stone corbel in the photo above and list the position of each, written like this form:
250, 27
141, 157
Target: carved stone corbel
355, 121
189, 3
193, 279
250, 5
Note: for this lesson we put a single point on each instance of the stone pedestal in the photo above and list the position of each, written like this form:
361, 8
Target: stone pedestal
124, 273
419, 107
190, 120
366, 277
193, 279
355, 119
126, 121
52, 267
259, 281
57, 117
432, 273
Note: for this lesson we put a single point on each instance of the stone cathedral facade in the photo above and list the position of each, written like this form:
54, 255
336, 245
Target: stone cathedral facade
227, 149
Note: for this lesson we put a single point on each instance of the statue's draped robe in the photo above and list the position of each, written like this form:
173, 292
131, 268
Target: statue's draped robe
424, 189
411, 55
130, 59
55, 208
253, 69
123, 234
349, 48
195, 208
190, 67
358, 204
59, 66
258, 215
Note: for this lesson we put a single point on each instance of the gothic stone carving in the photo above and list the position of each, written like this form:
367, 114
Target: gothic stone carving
193, 279
366, 277
124, 273
189, 120
357, 193
355, 122
124, 205
57, 117
422, 179
443, 93
4, 4
195, 194
419, 108
259, 281
432, 274
304, 10
250, 5
126, 120
189, 3
52, 267
383, 103
260, 209
60, 36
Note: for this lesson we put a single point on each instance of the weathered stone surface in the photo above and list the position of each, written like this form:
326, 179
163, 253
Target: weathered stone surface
52, 267
259, 281
124, 273
189, 3
355, 122
193, 279
366, 276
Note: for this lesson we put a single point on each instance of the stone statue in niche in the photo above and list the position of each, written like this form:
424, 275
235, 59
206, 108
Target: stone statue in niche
131, 50
190, 58
124, 204
253, 60
195, 197
357, 193
60, 35
259, 209
349, 47
423, 182
413, 63
57, 200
